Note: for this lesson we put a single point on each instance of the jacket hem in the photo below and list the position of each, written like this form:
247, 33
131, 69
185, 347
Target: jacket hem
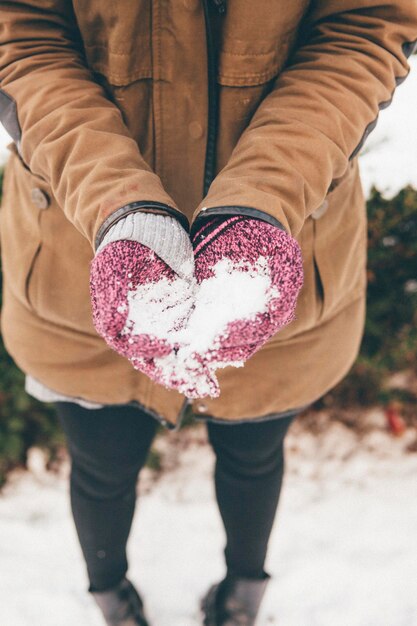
44, 394
137, 405
162, 420
251, 420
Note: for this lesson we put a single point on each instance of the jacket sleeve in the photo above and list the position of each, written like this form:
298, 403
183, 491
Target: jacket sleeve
67, 131
350, 57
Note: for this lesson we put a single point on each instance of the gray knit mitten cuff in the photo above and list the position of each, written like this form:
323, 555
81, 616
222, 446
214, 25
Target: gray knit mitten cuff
161, 233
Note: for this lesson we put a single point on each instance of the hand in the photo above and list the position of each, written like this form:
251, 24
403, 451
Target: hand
180, 330
139, 307
249, 274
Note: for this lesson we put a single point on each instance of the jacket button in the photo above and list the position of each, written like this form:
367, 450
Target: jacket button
321, 210
196, 130
191, 5
201, 407
39, 198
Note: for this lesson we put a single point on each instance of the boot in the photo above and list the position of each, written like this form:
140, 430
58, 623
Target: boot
234, 601
121, 605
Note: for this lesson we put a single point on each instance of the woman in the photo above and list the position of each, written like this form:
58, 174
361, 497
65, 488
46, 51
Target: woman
130, 123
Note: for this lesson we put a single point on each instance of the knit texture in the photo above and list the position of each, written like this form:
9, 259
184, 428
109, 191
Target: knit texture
117, 270
161, 233
250, 245
180, 331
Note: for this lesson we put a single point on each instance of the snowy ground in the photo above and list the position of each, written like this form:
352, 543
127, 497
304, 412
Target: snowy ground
343, 550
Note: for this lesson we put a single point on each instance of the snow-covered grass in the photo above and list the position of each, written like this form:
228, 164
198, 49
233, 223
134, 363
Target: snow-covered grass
343, 550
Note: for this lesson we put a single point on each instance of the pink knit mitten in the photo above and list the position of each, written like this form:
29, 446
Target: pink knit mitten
249, 274
139, 306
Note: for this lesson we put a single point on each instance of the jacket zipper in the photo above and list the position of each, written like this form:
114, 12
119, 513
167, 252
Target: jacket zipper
220, 6
212, 125
213, 95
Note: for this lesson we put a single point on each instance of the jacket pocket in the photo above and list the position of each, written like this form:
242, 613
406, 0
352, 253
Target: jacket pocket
117, 41
244, 79
339, 242
255, 42
254, 47
247, 69
333, 246
117, 45
25, 196
45, 259
58, 289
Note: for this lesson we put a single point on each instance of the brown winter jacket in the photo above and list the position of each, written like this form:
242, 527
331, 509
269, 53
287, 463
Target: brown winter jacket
263, 107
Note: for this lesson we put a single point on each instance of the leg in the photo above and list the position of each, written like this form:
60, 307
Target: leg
108, 447
248, 477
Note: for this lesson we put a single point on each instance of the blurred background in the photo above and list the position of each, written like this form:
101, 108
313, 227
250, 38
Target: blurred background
345, 542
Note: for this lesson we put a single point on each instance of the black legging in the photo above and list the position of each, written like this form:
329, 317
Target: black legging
109, 446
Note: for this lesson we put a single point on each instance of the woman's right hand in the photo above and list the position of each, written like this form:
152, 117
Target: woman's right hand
141, 307
138, 304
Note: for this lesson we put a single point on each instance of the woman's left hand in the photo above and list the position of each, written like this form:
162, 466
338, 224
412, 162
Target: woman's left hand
252, 273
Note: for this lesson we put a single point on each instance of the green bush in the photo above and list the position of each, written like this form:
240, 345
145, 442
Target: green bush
389, 343
24, 422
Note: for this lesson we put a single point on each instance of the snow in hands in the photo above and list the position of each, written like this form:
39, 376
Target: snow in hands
259, 249
194, 318
180, 329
